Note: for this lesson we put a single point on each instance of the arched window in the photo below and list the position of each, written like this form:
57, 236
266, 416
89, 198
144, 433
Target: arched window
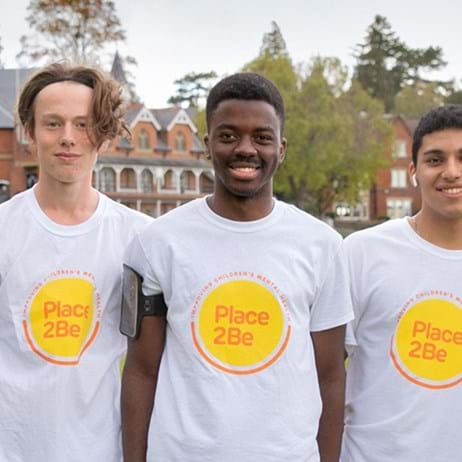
206, 182
187, 181
146, 181
128, 178
180, 142
169, 180
143, 140
107, 179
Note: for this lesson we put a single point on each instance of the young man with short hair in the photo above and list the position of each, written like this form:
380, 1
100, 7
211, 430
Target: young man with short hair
404, 400
257, 301
60, 278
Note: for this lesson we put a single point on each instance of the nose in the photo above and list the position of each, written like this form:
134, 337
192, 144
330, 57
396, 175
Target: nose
453, 170
67, 136
245, 146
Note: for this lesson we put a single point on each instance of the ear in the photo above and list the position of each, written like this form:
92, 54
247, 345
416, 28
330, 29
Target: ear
282, 150
412, 175
207, 151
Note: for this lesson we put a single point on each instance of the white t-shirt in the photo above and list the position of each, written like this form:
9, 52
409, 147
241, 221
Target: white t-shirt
237, 380
404, 395
60, 348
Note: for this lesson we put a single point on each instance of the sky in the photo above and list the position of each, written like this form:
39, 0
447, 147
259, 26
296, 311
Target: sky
170, 38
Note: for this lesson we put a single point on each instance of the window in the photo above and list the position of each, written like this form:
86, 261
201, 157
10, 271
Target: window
169, 180
187, 181
180, 142
147, 181
107, 180
127, 179
398, 178
398, 208
143, 140
206, 182
399, 151
4, 190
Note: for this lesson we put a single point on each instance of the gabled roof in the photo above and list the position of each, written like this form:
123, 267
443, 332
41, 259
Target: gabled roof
140, 113
11, 81
409, 123
170, 116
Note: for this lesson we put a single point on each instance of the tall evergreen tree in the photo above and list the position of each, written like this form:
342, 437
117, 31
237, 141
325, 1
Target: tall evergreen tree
193, 87
385, 63
274, 44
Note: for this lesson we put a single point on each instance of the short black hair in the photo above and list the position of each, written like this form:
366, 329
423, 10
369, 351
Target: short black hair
245, 86
440, 118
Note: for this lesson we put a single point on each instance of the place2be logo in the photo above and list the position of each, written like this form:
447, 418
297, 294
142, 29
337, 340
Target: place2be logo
240, 323
61, 316
427, 345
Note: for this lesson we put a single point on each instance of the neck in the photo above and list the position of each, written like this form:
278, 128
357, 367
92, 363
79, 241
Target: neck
445, 233
66, 204
241, 209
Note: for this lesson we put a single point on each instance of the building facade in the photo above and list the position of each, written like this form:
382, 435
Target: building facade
162, 166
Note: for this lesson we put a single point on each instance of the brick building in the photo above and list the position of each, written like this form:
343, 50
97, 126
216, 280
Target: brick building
392, 195
161, 167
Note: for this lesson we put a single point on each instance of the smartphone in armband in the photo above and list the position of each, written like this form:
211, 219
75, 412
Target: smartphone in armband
136, 305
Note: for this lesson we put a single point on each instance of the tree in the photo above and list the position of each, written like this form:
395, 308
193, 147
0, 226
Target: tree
385, 63
274, 44
77, 30
193, 87
336, 137
416, 100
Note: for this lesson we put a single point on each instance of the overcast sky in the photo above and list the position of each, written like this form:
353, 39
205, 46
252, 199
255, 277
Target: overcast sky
170, 38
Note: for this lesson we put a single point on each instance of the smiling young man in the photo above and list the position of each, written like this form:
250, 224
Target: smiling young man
60, 278
257, 301
404, 398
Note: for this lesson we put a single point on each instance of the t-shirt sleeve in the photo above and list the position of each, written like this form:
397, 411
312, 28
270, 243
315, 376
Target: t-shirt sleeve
136, 258
332, 305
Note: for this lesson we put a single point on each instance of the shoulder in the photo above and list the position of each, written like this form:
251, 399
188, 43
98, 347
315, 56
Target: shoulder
125, 216
14, 207
376, 235
308, 226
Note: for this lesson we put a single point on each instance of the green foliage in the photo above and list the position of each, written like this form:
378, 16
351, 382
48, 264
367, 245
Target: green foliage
76, 30
274, 45
193, 87
415, 100
336, 136
385, 63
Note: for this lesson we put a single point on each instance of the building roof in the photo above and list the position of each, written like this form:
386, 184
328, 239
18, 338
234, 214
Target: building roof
166, 115
411, 124
11, 81
117, 70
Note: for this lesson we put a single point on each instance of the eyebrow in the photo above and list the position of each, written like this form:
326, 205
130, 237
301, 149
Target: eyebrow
266, 128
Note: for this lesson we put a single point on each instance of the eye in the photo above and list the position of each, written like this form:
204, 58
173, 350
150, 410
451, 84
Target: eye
226, 137
81, 125
52, 124
434, 161
264, 139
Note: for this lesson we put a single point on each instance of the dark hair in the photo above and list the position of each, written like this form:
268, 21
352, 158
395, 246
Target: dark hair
440, 118
106, 107
245, 86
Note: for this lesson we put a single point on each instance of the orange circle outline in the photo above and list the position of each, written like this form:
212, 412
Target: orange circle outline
415, 381
240, 372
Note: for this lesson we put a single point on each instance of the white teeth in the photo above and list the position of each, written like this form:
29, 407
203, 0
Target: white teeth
245, 169
452, 190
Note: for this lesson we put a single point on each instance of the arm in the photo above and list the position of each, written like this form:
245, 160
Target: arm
139, 382
329, 356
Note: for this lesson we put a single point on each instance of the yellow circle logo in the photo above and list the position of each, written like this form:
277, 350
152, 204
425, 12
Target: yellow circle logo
240, 326
60, 321
427, 345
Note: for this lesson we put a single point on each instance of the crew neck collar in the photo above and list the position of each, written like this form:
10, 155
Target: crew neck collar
66, 230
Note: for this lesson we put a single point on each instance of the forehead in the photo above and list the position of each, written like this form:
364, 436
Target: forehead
64, 98
449, 139
244, 113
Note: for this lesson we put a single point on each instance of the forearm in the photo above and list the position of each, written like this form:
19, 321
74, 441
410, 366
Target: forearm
138, 392
331, 422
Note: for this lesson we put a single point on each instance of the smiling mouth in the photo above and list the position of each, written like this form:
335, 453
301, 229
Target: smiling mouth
247, 172
451, 191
